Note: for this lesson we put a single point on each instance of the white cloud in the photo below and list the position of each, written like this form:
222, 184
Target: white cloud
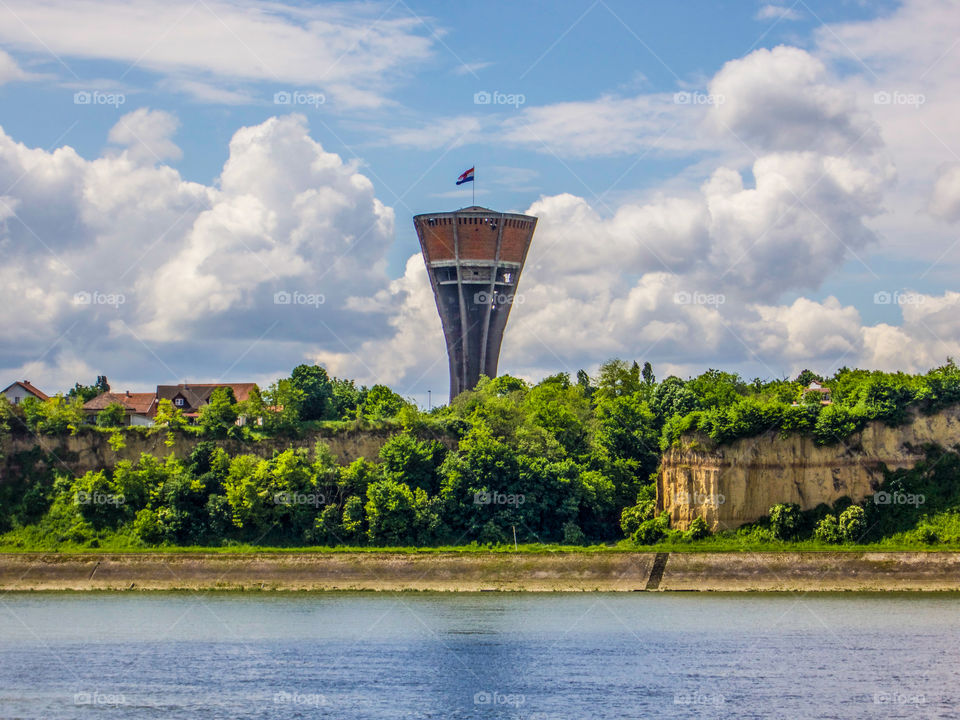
9, 70
945, 198
146, 135
178, 279
350, 52
778, 12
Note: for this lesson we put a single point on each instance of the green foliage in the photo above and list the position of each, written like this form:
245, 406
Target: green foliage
283, 400
316, 391
698, 530
381, 402
55, 416
220, 413
113, 415
785, 520
652, 531
397, 515
828, 530
415, 462
559, 461
86, 393
169, 416
852, 523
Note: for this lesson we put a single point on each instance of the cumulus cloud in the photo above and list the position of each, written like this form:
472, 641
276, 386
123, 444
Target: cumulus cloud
117, 260
146, 134
784, 99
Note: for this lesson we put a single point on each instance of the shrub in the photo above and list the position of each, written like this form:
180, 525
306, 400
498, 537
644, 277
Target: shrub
828, 530
650, 532
698, 530
785, 520
573, 535
853, 523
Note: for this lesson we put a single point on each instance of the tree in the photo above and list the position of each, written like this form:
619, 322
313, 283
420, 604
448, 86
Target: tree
806, 377
382, 403
113, 415
669, 398
317, 392
283, 401
397, 515
414, 462
583, 380
169, 416
220, 413
253, 408
89, 392
345, 398
54, 416
715, 388
618, 378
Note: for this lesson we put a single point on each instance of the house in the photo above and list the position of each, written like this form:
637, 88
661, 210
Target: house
190, 397
818, 387
140, 407
21, 390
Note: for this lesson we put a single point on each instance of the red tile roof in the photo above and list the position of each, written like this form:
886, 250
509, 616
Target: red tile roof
25, 384
136, 403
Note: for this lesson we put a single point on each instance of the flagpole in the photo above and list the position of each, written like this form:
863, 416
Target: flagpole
473, 187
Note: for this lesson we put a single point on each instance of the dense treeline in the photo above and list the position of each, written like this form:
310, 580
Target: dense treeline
567, 460
733, 409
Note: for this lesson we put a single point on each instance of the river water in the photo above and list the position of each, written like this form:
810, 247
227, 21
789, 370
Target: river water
483, 655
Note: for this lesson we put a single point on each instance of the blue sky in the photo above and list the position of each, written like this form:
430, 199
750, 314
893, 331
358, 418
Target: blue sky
609, 117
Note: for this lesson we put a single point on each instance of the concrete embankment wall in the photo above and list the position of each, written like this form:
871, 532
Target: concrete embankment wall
470, 572
738, 483
92, 451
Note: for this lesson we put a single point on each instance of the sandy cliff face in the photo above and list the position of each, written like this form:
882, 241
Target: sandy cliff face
738, 483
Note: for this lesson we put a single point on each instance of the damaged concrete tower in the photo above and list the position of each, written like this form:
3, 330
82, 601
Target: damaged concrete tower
474, 257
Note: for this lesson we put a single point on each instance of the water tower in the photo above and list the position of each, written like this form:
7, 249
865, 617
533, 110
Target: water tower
474, 257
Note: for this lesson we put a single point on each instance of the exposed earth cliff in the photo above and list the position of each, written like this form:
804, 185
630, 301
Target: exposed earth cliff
734, 484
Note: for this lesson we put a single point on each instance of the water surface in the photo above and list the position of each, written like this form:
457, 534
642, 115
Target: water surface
483, 655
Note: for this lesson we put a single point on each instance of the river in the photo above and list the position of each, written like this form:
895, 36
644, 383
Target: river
482, 655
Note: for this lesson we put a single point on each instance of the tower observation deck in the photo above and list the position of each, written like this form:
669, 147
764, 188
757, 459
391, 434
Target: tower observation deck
474, 257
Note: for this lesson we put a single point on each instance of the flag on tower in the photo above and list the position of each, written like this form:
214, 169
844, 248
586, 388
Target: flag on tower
466, 177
